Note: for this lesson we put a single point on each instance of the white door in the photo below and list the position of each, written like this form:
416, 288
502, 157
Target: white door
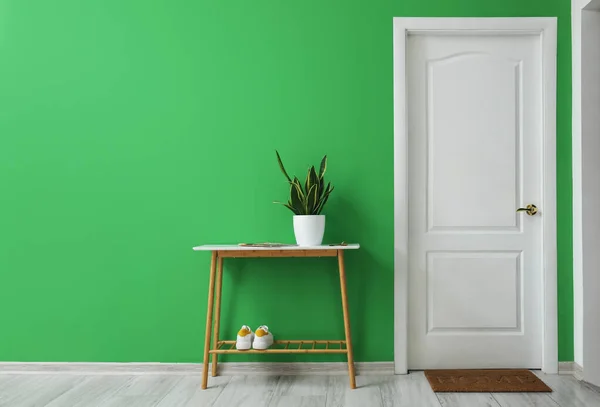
475, 155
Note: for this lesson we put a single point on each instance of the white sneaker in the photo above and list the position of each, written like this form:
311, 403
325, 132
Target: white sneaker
263, 339
245, 337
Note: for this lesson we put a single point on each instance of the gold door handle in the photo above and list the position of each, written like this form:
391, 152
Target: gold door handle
530, 209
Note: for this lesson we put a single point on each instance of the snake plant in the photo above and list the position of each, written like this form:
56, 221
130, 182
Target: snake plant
310, 197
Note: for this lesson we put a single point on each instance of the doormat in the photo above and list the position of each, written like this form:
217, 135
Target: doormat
492, 380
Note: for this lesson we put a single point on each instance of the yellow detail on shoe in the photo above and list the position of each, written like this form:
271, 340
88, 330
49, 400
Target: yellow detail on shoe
244, 332
261, 332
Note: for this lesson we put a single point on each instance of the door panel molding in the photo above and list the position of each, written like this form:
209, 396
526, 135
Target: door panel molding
546, 29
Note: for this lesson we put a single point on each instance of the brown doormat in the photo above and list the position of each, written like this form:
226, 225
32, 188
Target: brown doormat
496, 380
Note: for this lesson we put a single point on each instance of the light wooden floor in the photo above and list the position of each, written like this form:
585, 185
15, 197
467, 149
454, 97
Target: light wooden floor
162, 390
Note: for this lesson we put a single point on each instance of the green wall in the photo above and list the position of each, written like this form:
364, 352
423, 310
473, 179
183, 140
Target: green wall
132, 130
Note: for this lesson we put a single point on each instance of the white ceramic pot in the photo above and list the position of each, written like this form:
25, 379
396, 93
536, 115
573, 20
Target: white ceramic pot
309, 229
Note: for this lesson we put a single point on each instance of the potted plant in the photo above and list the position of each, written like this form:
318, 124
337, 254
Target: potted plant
307, 201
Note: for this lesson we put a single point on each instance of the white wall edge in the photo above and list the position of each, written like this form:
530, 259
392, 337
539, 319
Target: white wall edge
585, 23
576, 10
225, 369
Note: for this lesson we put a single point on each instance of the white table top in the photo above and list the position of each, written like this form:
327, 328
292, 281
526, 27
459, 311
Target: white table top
211, 247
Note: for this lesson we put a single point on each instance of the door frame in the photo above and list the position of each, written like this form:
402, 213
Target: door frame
546, 29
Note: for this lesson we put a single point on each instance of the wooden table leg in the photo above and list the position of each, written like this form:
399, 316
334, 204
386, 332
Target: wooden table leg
215, 357
351, 372
209, 315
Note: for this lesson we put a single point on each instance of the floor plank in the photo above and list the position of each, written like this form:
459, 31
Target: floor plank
38, 390
303, 385
525, 400
93, 392
5, 378
467, 400
188, 392
11, 385
300, 391
569, 392
367, 393
6, 382
407, 391
298, 401
143, 391
247, 391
